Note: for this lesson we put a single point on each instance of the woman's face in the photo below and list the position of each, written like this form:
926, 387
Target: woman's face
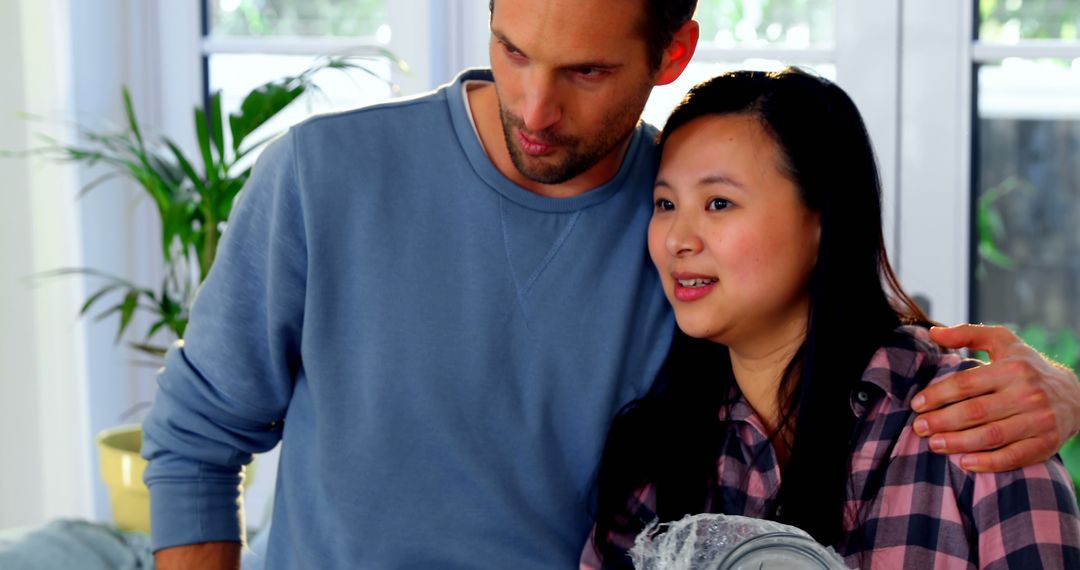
730, 236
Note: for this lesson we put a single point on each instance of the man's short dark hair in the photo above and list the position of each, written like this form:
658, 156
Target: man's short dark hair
662, 19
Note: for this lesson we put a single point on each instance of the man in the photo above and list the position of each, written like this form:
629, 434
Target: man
438, 304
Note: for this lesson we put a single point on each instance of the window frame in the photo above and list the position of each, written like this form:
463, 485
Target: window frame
432, 36
941, 55
992, 53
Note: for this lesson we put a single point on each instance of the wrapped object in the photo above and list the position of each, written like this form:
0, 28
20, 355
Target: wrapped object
725, 542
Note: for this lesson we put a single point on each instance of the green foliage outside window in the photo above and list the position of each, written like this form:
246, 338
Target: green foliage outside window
771, 20
1061, 344
767, 21
1029, 19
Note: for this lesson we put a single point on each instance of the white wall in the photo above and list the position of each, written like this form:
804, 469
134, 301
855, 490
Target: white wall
108, 51
44, 471
65, 379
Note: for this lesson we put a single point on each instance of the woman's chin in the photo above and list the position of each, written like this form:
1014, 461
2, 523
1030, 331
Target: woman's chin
698, 329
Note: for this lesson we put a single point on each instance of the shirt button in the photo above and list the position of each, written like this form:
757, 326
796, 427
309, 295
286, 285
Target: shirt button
862, 396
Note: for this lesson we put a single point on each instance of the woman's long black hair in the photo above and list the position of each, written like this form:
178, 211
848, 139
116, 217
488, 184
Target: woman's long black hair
669, 438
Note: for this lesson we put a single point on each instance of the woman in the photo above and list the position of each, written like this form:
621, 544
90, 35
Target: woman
788, 396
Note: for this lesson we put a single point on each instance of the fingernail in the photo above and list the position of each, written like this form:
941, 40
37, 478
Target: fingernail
937, 443
968, 461
922, 427
918, 402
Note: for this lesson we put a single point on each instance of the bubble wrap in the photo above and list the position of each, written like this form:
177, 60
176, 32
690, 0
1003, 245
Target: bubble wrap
701, 542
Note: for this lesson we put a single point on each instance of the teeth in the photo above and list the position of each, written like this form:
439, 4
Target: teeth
696, 282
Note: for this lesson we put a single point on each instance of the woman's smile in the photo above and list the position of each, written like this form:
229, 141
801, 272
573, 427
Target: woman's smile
689, 287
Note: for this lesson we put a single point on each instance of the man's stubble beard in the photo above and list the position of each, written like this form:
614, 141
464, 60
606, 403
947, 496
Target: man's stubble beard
581, 153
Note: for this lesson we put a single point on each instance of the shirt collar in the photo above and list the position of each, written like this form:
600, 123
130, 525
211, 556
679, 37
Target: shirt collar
892, 372
894, 368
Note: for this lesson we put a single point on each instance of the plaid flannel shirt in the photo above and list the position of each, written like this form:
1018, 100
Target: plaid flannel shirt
919, 509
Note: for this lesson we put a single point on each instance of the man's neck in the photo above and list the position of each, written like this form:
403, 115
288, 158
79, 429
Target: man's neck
484, 105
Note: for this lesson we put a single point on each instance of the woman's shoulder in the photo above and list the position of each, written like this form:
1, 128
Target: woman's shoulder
1026, 516
907, 361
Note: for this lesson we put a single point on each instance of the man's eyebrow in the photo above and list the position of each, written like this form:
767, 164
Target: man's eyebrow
505, 40
606, 65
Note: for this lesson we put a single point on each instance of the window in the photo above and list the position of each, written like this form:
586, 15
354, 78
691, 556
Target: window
311, 18
1026, 176
250, 42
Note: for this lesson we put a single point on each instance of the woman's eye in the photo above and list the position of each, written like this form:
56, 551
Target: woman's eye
663, 205
718, 204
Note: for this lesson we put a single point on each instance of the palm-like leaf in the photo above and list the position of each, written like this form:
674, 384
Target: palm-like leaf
192, 203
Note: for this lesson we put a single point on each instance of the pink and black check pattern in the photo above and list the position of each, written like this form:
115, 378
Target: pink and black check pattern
907, 506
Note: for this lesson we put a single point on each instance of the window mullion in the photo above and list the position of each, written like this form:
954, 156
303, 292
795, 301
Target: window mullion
991, 52
935, 154
278, 45
712, 52
412, 29
868, 68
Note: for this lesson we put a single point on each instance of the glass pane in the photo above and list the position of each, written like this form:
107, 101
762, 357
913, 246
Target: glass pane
236, 75
347, 18
1027, 270
666, 97
1008, 21
754, 23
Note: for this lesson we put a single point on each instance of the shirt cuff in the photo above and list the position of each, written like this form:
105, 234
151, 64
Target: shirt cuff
191, 513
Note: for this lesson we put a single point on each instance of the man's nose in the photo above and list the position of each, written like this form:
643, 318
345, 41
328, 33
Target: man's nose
542, 108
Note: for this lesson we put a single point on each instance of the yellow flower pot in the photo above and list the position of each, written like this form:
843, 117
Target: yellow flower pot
122, 470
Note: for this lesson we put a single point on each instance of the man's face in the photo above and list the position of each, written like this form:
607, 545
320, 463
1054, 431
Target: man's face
572, 78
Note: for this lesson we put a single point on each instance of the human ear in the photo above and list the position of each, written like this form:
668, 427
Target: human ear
678, 53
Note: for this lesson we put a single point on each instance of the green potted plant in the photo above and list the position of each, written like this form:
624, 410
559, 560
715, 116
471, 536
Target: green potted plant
1062, 345
194, 203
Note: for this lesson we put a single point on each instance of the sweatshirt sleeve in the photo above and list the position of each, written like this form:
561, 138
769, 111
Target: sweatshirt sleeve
225, 388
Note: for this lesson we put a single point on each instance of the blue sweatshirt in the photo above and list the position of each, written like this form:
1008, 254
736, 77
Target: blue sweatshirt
440, 351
